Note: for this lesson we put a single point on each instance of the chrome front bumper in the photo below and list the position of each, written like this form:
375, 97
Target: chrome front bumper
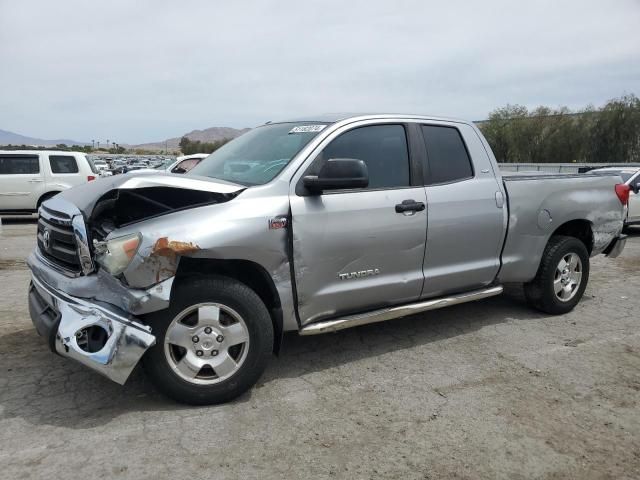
64, 319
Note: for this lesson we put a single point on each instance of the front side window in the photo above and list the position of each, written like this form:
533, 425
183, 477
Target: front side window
447, 156
11, 164
256, 157
383, 148
63, 164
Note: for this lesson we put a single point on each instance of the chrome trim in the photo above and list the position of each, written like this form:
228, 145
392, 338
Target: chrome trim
396, 312
76, 221
127, 339
44, 213
82, 244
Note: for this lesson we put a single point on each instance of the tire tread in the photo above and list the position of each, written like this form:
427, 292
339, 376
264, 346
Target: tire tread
539, 293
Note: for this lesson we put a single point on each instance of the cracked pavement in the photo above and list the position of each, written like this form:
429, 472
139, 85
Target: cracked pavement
489, 389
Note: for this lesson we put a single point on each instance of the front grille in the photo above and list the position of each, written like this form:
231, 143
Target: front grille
61, 248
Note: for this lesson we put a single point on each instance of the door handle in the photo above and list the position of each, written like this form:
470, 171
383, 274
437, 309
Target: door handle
409, 206
36, 180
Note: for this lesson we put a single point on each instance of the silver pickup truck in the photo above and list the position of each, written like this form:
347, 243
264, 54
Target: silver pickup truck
312, 225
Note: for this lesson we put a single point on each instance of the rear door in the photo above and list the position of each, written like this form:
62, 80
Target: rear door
64, 172
352, 250
466, 220
21, 181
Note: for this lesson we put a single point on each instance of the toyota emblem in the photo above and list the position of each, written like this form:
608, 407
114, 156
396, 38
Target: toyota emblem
46, 239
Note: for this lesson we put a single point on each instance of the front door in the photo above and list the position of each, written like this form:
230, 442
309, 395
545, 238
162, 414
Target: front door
21, 181
352, 250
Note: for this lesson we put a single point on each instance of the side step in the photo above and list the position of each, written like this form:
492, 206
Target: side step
396, 312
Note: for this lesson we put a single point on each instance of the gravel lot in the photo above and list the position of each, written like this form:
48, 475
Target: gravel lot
483, 390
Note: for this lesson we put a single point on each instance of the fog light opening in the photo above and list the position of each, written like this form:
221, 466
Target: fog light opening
92, 339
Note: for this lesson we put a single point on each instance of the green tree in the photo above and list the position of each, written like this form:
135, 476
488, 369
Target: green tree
606, 135
188, 146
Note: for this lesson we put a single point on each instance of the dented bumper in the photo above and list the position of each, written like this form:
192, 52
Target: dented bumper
103, 288
68, 323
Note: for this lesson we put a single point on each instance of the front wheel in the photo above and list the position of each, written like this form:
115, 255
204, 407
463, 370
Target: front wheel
212, 343
561, 278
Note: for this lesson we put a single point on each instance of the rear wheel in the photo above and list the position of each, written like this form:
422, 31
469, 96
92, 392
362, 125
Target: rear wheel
561, 278
212, 343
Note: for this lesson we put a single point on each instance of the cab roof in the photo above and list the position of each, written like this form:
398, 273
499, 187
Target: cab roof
338, 117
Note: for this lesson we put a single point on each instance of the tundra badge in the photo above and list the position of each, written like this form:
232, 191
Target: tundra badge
360, 274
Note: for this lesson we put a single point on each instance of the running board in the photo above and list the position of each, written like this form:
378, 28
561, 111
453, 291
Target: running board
396, 312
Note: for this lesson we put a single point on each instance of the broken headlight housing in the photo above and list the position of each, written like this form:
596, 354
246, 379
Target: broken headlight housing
116, 254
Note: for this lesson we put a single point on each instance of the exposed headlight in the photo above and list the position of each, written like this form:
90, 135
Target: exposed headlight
116, 254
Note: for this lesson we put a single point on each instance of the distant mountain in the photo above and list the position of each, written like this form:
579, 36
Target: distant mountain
10, 138
208, 135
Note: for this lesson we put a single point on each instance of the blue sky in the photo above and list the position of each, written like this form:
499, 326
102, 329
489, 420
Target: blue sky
142, 71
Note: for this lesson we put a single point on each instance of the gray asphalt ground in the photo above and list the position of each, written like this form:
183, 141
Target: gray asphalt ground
483, 390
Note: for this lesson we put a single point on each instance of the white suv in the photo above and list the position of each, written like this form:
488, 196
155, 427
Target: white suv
28, 177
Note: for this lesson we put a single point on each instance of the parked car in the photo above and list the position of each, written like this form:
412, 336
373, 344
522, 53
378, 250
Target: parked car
102, 168
28, 177
181, 164
309, 226
630, 176
165, 164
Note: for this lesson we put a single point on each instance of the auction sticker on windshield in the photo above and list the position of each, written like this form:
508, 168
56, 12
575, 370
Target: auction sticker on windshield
307, 129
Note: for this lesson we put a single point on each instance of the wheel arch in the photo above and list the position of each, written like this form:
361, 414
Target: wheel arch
251, 274
46, 196
578, 228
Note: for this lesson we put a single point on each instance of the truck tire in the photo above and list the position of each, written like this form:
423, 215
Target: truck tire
212, 343
561, 278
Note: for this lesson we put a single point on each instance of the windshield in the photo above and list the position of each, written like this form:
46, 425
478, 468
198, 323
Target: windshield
256, 157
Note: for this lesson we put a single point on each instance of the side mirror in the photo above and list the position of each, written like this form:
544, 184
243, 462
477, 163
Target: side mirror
635, 188
178, 170
338, 174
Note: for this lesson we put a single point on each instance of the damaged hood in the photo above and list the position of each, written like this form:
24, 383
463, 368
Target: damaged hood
85, 196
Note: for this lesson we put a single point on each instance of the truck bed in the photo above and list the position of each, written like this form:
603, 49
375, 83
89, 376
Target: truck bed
541, 204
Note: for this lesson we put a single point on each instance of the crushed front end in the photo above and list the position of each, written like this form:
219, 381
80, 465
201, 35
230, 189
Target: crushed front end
99, 337
87, 302
83, 314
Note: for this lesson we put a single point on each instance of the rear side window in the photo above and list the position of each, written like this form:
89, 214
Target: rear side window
63, 164
19, 164
626, 176
383, 148
187, 164
447, 156
93, 168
